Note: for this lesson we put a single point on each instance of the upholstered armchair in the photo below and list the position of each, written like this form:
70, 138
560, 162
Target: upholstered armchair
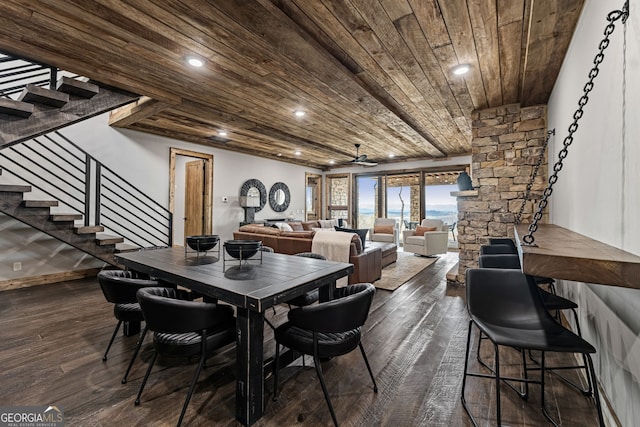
384, 230
429, 238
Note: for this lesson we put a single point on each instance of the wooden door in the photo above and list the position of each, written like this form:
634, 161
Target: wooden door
313, 205
194, 192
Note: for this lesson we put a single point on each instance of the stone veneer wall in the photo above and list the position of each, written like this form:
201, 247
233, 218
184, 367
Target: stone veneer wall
507, 142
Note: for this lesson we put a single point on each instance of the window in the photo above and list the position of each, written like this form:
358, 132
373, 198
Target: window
338, 196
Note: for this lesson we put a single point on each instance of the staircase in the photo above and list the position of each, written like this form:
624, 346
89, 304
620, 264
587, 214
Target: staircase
38, 110
57, 167
62, 226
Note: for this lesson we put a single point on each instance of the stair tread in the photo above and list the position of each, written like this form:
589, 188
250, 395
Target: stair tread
88, 229
40, 203
125, 247
16, 108
15, 188
107, 239
65, 217
77, 87
36, 94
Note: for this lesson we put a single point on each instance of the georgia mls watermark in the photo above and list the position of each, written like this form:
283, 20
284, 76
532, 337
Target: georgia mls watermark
31, 416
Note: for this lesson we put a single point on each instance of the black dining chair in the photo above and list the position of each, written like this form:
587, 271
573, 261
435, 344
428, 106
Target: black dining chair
506, 306
327, 330
185, 328
552, 303
119, 288
312, 296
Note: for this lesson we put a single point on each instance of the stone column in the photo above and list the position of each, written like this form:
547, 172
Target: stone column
507, 143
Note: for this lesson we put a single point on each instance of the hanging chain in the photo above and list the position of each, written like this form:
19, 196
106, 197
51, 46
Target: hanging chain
534, 174
612, 17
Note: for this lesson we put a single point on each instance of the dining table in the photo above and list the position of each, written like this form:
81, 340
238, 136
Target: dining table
252, 285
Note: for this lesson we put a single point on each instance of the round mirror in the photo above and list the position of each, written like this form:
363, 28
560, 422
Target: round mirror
279, 197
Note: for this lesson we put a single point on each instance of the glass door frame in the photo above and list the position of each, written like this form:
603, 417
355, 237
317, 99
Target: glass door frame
381, 188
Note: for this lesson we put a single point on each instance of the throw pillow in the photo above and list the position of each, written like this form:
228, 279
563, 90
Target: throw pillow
420, 230
383, 229
283, 226
362, 233
328, 223
296, 226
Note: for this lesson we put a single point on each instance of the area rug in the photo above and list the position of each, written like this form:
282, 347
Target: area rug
407, 266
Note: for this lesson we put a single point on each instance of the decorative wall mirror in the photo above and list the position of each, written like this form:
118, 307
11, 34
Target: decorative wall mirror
279, 197
248, 192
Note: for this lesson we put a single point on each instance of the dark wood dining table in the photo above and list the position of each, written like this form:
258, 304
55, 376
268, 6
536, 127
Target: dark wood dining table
259, 283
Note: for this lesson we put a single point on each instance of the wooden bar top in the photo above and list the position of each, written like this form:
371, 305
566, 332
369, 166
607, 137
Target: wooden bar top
563, 254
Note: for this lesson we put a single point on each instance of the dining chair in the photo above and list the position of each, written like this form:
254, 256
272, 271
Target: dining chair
327, 330
119, 288
183, 327
452, 229
506, 306
312, 296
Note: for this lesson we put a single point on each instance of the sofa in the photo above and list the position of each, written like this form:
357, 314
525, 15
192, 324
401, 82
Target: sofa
367, 262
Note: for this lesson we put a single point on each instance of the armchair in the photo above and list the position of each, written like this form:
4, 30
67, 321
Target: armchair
384, 230
428, 242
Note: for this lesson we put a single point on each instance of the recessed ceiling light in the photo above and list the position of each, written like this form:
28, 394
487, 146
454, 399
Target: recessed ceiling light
279, 154
391, 156
299, 113
222, 133
297, 153
195, 62
461, 69
332, 162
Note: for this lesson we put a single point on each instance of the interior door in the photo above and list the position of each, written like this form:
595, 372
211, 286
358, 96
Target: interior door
194, 193
313, 205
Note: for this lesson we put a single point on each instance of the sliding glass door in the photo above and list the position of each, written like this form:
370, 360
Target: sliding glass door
438, 201
403, 199
367, 200
407, 197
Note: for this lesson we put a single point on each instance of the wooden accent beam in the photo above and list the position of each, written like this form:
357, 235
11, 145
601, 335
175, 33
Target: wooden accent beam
564, 254
130, 114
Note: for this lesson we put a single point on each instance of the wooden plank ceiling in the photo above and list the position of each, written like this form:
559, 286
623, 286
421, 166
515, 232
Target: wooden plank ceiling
373, 72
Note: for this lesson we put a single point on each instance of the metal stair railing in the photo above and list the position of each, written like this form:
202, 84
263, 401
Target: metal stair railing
16, 73
62, 170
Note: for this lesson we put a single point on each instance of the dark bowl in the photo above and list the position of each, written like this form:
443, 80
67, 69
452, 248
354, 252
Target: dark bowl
203, 243
242, 249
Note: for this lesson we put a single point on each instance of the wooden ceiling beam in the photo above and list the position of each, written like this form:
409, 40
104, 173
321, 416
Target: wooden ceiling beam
135, 112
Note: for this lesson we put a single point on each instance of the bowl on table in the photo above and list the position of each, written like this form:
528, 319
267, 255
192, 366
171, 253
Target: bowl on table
203, 243
242, 249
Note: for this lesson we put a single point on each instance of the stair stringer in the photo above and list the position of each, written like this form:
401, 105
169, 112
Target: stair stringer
11, 204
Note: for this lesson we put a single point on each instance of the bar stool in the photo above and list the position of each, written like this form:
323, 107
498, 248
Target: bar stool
506, 306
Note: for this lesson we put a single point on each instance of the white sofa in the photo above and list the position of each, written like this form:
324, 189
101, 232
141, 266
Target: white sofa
384, 237
431, 243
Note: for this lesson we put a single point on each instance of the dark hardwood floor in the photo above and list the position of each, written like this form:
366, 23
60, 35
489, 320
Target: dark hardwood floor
53, 338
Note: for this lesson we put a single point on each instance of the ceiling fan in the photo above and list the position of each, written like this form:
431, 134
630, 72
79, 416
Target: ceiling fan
361, 160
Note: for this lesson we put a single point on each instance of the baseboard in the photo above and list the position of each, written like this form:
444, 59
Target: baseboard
26, 282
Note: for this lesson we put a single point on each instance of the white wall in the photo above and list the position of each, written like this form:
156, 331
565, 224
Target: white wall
143, 159
596, 193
